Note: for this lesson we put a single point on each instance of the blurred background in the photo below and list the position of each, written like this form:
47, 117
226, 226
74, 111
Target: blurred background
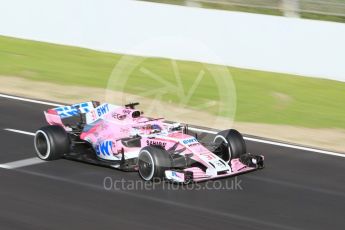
332, 10
238, 63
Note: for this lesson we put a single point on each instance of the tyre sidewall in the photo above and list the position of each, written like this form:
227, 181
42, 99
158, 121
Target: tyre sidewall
161, 162
235, 141
57, 140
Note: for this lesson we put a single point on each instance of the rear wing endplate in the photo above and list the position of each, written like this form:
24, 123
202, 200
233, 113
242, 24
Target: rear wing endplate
54, 116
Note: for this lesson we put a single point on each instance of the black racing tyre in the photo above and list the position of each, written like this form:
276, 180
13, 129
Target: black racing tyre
51, 142
152, 163
232, 143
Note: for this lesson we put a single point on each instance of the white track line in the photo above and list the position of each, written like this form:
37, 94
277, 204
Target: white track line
25, 162
295, 147
29, 100
20, 131
278, 144
22, 163
246, 138
195, 129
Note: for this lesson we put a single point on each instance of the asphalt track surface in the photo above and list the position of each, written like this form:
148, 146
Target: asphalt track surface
297, 190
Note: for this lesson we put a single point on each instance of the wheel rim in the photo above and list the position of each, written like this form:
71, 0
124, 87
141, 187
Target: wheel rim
42, 145
220, 140
146, 165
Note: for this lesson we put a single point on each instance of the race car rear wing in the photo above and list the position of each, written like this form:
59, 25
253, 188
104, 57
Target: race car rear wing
87, 111
54, 116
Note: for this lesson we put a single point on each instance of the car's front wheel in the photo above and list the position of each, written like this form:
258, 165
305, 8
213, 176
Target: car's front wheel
231, 144
51, 142
152, 163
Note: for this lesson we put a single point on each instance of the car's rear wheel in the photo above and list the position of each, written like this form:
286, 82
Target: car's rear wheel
231, 144
51, 142
152, 163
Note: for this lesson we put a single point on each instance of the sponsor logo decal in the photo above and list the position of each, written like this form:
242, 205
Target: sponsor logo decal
174, 174
220, 164
68, 111
102, 110
194, 144
207, 156
126, 111
93, 115
153, 142
118, 116
190, 141
105, 148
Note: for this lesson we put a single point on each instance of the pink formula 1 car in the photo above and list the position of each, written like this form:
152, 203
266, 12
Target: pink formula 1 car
121, 137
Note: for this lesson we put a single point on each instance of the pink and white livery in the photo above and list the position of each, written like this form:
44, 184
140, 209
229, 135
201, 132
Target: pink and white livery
121, 137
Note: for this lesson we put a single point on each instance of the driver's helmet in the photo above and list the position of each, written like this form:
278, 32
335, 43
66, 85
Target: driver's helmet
156, 127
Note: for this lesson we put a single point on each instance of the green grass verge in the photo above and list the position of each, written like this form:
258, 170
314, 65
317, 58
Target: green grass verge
262, 97
222, 6
261, 10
